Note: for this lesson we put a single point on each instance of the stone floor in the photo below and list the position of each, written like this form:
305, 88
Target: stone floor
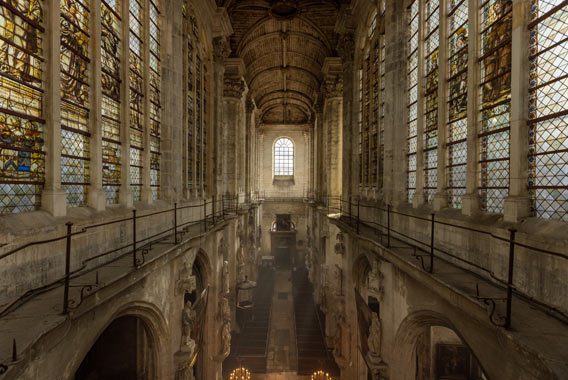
279, 376
282, 351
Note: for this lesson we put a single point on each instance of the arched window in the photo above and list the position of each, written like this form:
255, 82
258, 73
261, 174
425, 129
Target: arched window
284, 157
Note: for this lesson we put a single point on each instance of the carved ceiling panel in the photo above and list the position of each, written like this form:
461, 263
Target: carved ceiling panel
283, 44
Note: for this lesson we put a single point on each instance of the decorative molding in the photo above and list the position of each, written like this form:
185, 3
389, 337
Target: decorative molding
332, 87
340, 245
346, 47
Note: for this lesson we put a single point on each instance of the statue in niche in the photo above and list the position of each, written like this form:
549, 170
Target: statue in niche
241, 263
186, 282
340, 246
188, 319
240, 231
375, 279
225, 278
374, 339
223, 249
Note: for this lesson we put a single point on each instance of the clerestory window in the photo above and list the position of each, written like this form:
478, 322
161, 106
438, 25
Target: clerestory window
283, 157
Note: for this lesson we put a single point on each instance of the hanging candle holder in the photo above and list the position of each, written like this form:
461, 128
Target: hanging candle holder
240, 373
321, 375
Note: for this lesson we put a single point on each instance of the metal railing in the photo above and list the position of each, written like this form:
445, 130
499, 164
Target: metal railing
349, 211
214, 210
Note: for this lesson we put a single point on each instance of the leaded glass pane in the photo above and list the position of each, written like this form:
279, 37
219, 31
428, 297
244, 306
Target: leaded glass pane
75, 133
137, 95
283, 157
495, 91
155, 99
22, 137
548, 110
412, 96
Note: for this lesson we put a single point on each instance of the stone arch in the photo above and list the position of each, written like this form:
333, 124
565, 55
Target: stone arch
407, 336
360, 269
155, 326
202, 261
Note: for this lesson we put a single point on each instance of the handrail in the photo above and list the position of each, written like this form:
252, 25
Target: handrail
346, 207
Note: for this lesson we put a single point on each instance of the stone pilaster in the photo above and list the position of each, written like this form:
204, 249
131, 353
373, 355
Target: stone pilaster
125, 193
419, 196
221, 51
233, 91
53, 198
470, 201
441, 197
96, 196
332, 92
517, 204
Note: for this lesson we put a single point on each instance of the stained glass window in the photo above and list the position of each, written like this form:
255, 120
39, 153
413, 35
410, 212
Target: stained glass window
205, 124
381, 100
155, 100
21, 98
495, 90
431, 73
548, 109
136, 73
457, 100
360, 125
190, 95
111, 37
198, 120
412, 96
283, 157
75, 133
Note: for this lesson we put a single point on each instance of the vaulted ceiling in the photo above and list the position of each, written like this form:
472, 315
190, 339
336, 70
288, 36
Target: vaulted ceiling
283, 44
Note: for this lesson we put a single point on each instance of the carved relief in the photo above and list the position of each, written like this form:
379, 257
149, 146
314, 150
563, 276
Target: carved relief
233, 87
375, 279
226, 286
221, 49
186, 282
340, 245
332, 87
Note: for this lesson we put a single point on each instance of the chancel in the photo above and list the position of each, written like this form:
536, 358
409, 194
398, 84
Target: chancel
284, 189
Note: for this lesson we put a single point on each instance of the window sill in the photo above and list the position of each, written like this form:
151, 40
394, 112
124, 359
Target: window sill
283, 180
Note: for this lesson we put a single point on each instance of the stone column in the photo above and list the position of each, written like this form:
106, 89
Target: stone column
125, 193
517, 204
395, 135
249, 156
174, 124
333, 116
419, 196
470, 200
441, 197
96, 196
53, 198
346, 49
221, 51
234, 88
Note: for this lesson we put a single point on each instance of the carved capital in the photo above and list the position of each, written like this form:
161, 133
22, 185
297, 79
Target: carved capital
332, 87
346, 47
250, 105
221, 49
233, 87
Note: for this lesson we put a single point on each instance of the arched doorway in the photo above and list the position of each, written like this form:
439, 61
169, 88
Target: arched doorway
125, 351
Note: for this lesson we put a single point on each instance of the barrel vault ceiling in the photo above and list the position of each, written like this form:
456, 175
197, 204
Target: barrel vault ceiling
283, 44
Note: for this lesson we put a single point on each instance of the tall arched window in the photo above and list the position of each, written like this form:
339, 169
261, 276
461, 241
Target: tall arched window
412, 97
283, 157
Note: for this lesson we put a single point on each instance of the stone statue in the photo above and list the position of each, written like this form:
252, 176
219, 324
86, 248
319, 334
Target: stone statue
241, 263
187, 322
375, 279
338, 337
223, 249
225, 340
186, 282
374, 339
224, 309
225, 278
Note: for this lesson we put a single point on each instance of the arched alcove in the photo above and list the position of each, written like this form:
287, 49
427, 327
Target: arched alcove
125, 350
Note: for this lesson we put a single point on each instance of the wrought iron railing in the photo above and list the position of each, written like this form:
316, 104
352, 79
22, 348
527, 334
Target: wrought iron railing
427, 252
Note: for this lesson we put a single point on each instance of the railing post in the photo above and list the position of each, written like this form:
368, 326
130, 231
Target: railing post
134, 238
388, 226
432, 244
358, 210
67, 268
175, 224
213, 208
512, 232
205, 215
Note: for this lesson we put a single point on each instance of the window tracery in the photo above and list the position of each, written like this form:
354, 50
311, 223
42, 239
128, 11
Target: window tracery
548, 112
22, 149
155, 99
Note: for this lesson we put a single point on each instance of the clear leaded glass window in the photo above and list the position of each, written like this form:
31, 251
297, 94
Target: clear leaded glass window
111, 37
75, 106
412, 96
548, 109
495, 91
190, 93
21, 99
155, 99
431, 74
284, 157
137, 98
457, 100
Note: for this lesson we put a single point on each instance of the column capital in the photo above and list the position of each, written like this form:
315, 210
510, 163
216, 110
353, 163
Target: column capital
221, 49
332, 87
346, 47
250, 104
233, 87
